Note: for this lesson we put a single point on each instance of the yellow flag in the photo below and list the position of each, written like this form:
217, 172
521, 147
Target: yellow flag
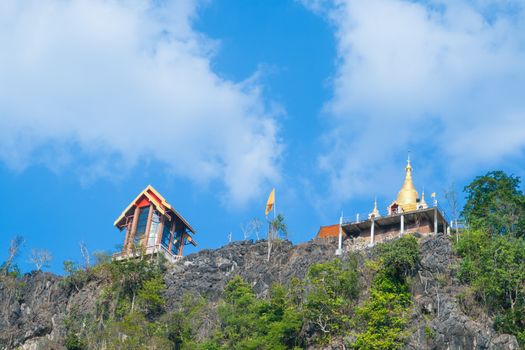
433, 195
270, 202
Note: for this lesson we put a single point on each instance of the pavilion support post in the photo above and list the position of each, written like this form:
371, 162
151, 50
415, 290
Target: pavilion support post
160, 230
435, 221
148, 226
181, 245
131, 237
126, 239
402, 225
372, 229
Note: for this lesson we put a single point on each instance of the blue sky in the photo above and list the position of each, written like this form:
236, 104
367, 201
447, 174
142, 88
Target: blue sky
216, 102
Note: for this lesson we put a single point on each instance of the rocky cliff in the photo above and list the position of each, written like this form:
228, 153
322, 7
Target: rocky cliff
34, 309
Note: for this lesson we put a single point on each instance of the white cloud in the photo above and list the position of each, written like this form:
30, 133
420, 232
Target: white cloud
443, 79
105, 84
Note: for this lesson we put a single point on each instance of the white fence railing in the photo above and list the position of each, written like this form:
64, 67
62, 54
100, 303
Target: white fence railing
150, 250
360, 217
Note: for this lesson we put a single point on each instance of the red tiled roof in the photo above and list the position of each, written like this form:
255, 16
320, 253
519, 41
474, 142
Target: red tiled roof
328, 231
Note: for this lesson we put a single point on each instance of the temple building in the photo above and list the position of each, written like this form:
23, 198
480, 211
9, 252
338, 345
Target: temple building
408, 213
153, 226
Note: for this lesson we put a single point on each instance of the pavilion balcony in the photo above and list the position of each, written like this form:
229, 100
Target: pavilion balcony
148, 251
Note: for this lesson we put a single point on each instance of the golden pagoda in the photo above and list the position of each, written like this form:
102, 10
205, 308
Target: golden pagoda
407, 198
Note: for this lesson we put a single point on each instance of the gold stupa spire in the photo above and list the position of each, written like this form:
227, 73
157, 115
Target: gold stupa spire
407, 196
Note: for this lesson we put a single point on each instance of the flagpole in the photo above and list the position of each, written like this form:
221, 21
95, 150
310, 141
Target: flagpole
270, 205
274, 206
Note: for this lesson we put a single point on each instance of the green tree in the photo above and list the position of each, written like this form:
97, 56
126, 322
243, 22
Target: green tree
129, 277
128, 313
183, 323
238, 315
382, 319
495, 204
399, 258
494, 267
332, 291
73, 342
250, 323
150, 298
133, 332
277, 228
76, 276
283, 318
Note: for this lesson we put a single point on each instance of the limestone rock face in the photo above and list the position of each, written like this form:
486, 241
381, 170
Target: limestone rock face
438, 321
30, 310
208, 271
33, 310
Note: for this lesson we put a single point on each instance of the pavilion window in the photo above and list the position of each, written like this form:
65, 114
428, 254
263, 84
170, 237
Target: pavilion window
166, 234
176, 243
141, 224
154, 227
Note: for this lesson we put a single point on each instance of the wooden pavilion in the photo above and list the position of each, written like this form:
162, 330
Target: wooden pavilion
152, 227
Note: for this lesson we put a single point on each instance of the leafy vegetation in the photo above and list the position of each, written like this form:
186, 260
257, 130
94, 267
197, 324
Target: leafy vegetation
131, 311
383, 317
332, 294
493, 250
321, 303
494, 267
127, 310
278, 227
246, 322
495, 204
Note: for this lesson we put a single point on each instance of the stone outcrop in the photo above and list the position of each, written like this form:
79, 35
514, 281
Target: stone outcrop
438, 321
208, 271
33, 310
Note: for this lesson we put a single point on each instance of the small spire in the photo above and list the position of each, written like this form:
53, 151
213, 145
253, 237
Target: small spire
422, 203
375, 213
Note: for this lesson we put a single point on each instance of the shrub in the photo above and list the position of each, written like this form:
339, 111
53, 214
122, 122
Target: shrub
332, 290
383, 317
494, 267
